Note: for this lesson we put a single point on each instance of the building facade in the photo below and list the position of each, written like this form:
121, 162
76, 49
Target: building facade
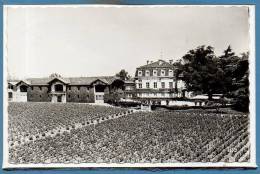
156, 83
129, 89
59, 89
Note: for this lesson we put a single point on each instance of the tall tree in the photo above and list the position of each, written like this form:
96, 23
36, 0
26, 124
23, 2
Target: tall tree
228, 63
241, 84
123, 75
201, 72
177, 72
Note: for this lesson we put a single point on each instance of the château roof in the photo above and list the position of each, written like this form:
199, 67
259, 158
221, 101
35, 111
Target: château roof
158, 64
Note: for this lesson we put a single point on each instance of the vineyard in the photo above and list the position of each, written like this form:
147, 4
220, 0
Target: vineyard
81, 133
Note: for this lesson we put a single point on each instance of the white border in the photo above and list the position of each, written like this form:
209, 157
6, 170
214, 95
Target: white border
252, 84
251, 164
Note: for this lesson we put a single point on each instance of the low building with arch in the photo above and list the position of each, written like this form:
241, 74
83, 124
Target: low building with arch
58, 89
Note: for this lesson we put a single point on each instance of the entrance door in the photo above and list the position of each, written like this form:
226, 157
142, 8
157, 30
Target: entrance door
59, 98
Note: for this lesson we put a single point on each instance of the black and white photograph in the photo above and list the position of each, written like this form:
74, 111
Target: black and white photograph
129, 86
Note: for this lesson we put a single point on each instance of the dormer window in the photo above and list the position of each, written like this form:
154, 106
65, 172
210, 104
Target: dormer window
170, 73
154, 72
160, 62
162, 72
140, 73
147, 73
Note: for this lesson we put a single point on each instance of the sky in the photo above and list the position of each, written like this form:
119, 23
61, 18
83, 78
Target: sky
100, 41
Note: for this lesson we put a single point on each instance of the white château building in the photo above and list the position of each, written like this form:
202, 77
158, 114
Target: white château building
156, 83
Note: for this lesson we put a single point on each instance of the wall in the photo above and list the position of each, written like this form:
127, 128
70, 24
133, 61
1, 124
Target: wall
152, 80
85, 94
36, 94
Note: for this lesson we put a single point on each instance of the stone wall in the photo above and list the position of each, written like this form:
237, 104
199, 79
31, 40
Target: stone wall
80, 94
38, 94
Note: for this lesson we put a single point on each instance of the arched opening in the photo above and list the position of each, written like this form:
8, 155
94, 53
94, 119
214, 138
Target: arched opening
23, 88
100, 88
59, 98
59, 88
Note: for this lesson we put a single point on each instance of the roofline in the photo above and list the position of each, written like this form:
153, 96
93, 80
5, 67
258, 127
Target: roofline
24, 82
60, 79
97, 80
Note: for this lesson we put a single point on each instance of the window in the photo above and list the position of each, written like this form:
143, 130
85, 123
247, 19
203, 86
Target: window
10, 95
140, 73
23, 88
155, 85
78, 96
32, 88
78, 87
147, 73
140, 85
170, 85
163, 85
154, 72
40, 96
170, 73
69, 96
69, 88
147, 85
10, 86
162, 72
40, 88
59, 88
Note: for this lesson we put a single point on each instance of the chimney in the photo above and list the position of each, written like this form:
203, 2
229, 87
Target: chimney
147, 62
170, 61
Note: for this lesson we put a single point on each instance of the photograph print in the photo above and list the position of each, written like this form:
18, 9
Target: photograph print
129, 86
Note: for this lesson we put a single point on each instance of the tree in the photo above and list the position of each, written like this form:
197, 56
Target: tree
241, 84
228, 63
53, 75
123, 75
201, 72
177, 72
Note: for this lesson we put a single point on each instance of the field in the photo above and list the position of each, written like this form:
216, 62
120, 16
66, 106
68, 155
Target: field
81, 133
